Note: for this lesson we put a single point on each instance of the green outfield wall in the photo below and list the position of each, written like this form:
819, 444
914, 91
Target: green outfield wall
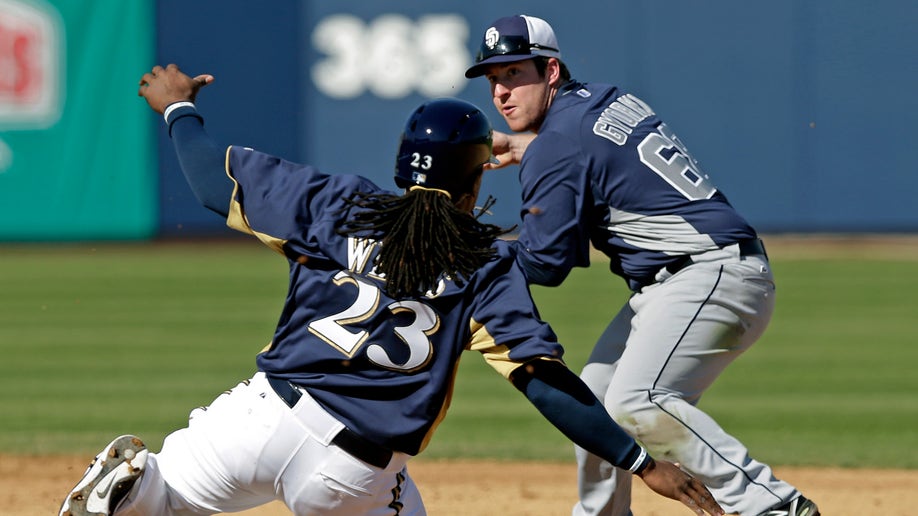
76, 149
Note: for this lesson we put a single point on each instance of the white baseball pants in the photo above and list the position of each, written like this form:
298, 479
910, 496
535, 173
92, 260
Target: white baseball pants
249, 448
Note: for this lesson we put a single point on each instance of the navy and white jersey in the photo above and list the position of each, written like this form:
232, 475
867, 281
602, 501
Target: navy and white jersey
605, 168
384, 367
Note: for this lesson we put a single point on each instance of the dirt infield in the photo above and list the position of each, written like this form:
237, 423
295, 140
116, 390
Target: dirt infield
34, 486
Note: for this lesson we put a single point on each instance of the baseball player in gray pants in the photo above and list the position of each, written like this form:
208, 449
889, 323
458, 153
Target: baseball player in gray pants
603, 168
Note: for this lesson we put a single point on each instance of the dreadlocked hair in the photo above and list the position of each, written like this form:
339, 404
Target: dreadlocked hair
423, 237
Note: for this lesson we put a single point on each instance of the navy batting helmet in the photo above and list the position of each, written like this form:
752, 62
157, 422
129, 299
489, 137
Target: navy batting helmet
444, 145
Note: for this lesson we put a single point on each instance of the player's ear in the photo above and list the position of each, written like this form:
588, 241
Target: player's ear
553, 72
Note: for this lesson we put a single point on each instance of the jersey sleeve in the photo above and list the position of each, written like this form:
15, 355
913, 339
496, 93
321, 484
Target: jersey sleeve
556, 191
505, 325
280, 201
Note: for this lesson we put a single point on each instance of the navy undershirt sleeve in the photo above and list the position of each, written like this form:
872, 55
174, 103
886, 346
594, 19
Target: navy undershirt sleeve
569, 405
201, 159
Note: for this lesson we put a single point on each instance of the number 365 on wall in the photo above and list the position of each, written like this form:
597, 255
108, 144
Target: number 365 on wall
392, 56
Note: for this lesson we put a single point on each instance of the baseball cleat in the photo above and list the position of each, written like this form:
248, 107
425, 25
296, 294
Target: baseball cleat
799, 506
110, 476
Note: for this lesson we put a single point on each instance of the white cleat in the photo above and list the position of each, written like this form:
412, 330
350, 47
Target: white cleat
799, 506
109, 478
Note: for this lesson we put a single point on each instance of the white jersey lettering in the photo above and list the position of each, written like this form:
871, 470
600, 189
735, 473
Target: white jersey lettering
618, 120
359, 251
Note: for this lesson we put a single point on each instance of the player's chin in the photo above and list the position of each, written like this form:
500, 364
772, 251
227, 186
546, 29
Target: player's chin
515, 123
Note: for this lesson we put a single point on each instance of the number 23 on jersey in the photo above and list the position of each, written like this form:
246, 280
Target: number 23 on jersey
339, 330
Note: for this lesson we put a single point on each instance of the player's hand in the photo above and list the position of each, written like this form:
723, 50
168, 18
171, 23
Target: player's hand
667, 479
508, 149
164, 86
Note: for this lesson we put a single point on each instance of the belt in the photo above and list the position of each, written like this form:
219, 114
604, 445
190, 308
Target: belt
347, 440
748, 247
751, 247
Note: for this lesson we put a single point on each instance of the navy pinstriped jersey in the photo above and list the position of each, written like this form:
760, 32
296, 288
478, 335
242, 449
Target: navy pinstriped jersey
605, 168
384, 367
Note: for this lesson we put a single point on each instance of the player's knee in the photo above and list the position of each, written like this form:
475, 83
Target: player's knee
654, 418
637, 410
627, 408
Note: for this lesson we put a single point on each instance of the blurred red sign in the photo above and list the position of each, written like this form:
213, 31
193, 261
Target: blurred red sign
30, 59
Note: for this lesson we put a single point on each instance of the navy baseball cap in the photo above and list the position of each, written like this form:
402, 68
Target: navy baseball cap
514, 38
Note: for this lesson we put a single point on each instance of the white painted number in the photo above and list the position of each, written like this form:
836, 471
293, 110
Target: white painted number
422, 162
392, 56
415, 336
332, 329
680, 169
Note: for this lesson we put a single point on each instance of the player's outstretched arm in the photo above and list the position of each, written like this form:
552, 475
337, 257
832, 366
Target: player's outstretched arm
201, 159
509, 149
570, 405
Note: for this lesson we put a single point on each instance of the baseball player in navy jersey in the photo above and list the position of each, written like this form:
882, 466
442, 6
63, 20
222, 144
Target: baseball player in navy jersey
598, 165
386, 291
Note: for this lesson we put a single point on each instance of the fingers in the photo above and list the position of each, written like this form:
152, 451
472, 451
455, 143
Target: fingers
670, 481
503, 160
509, 149
501, 141
701, 507
171, 82
203, 80
144, 82
147, 78
697, 497
162, 86
158, 70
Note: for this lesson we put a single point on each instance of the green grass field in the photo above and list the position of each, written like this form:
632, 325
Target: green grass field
112, 338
